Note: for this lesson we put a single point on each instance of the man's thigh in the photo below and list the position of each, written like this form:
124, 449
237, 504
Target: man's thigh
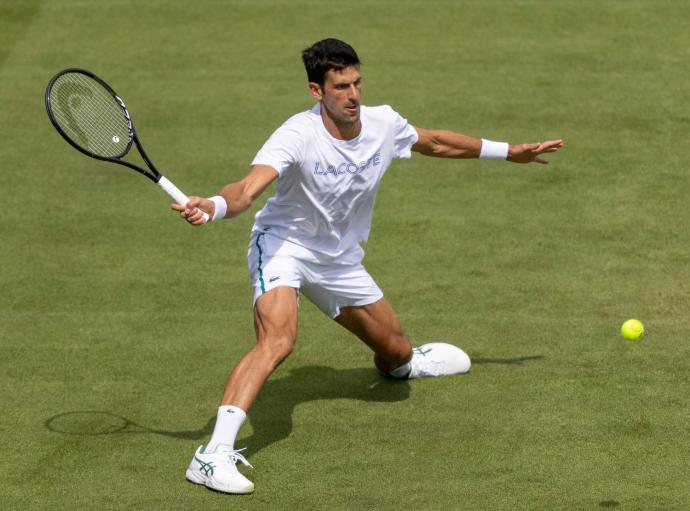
332, 288
275, 315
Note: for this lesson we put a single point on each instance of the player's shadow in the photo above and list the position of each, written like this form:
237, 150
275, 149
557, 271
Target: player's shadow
510, 361
271, 416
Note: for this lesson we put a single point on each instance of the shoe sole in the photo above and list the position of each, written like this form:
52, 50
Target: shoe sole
196, 478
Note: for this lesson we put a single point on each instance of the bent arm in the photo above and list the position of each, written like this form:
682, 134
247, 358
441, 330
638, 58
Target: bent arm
238, 196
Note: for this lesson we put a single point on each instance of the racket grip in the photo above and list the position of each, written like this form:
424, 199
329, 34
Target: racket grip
176, 194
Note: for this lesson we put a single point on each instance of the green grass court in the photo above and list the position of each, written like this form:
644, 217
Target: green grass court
119, 323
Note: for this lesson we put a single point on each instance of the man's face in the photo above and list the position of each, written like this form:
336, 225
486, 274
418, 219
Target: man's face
340, 94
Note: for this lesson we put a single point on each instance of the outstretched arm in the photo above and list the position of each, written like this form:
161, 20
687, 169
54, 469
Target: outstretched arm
238, 196
448, 144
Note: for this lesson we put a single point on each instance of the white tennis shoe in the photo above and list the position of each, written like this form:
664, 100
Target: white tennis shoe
217, 470
438, 359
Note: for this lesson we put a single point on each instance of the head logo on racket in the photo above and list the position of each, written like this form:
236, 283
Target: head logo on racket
88, 113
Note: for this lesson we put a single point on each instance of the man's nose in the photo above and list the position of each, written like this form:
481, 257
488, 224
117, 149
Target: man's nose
353, 92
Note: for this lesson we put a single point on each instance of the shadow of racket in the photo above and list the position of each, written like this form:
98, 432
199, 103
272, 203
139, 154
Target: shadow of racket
95, 422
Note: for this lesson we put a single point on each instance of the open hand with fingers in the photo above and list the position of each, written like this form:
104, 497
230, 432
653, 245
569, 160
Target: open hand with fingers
528, 153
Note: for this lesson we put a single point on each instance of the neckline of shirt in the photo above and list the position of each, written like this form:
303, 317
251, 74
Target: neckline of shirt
351, 142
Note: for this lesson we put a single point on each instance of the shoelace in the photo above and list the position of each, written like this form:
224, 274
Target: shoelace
235, 456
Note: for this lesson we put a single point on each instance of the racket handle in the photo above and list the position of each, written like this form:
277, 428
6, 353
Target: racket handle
176, 194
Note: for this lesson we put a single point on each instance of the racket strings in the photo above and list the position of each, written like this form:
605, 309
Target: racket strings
90, 116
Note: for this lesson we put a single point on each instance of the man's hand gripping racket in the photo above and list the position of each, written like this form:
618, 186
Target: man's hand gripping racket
194, 211
88, 113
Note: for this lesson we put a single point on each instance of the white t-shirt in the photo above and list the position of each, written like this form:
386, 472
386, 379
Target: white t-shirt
326, 187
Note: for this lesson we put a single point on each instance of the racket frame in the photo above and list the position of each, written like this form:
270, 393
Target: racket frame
153, 175
165, 184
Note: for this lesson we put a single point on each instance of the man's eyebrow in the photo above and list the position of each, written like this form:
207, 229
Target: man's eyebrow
347, 84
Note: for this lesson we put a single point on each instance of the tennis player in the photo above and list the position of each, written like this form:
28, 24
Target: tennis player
327, 163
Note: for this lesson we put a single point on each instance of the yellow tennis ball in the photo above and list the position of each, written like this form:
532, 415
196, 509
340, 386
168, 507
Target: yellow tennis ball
632, 329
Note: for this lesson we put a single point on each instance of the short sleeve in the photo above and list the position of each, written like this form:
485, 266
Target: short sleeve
282, 150
405, 136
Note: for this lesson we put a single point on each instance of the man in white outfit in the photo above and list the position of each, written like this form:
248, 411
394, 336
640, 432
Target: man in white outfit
328, 163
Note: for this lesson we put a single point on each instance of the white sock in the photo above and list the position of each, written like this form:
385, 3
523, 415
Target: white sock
401, 372
228, 423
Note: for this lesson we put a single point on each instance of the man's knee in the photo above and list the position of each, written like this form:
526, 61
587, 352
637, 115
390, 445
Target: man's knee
276, 348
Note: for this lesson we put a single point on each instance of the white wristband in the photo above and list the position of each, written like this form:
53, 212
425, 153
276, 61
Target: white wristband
221, 207
493, 150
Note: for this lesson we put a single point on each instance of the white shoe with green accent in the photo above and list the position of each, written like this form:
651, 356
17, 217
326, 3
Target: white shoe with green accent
438, 359
217, 470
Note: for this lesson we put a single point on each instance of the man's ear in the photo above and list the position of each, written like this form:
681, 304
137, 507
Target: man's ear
315, 90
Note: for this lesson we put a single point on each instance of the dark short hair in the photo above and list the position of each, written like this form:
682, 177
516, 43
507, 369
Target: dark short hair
325, 55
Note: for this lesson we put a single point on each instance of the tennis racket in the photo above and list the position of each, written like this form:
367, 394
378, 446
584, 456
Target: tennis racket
88, 113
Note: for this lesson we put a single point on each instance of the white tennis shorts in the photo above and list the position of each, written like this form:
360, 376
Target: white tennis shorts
274, 262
